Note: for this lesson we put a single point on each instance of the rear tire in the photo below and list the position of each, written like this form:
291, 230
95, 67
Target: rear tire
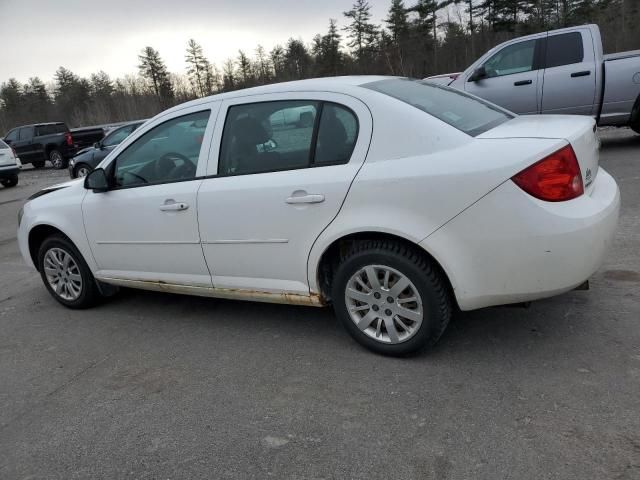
57, 160
65, 274
38, 164
383, 314
10, 182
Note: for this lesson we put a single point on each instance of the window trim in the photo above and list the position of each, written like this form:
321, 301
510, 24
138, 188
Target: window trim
314, 138
110, 168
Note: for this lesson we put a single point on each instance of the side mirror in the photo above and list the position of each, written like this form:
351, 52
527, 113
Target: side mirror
96, 181
478, 74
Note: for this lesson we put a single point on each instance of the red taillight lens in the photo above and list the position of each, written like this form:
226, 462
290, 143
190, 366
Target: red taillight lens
15, 154
555, 178
68, 138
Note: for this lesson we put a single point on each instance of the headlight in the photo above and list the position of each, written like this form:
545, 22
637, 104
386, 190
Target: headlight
72, 162
20, 214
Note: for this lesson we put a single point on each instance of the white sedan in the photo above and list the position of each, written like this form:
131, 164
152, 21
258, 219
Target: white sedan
394, 201
9, 166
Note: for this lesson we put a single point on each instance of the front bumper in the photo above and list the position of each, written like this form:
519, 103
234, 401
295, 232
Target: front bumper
8, 171
510, 247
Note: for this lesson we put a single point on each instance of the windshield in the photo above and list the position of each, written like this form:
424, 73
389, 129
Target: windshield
460, 110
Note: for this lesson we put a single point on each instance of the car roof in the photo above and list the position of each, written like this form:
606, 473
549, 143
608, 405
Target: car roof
331, 84
40, 124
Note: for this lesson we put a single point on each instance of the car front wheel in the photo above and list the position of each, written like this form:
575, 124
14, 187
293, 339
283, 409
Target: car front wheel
390, 297
65, 273
82, 170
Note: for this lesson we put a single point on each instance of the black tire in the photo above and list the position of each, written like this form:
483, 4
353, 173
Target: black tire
79, 167
635, 127
416, 267
38, 164
10, 182
89, 293
57, 160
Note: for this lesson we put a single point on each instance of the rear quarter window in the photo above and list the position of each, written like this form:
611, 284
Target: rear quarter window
458, 109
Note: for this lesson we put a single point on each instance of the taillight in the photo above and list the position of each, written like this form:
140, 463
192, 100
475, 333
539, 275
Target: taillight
15, 154
555, 178
68, 138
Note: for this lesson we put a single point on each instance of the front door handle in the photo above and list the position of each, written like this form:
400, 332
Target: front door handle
171, 205
585, 73
308, 198
523, 82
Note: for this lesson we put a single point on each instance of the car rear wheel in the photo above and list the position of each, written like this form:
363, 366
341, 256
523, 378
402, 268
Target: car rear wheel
82, 170
38, 164
56, 159
65, 273
10, 182
390, 297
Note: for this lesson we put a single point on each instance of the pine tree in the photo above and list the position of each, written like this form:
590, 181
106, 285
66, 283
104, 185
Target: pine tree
361, 31
155, 71
197, 68
397, 22
245, 72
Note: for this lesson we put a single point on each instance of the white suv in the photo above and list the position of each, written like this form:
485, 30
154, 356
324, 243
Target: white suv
392, 199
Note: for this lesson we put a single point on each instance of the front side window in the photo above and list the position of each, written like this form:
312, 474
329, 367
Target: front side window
516, 58
26, 133
469, 114
116, 137
12, 136
564, 49
168, 152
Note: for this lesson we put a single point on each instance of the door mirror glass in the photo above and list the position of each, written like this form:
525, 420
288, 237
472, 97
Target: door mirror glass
96, 181
478, 74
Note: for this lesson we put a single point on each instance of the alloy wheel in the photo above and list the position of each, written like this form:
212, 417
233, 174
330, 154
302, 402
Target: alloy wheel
56, 159
384, 304
63, 274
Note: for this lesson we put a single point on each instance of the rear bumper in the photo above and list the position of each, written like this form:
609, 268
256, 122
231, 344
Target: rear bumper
510, 247
9, 171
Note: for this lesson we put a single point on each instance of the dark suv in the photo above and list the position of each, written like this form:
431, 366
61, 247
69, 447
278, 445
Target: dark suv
53, 141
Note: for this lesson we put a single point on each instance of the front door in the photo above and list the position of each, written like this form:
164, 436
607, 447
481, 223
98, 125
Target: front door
283, 165
145, 228
511, 79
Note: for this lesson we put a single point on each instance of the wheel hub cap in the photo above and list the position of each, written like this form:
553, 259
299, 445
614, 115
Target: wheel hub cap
63, 274
384, 304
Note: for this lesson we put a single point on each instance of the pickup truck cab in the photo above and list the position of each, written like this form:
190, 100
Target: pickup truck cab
557, 72
51, 141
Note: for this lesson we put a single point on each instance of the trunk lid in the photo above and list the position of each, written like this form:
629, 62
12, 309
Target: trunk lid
579, 131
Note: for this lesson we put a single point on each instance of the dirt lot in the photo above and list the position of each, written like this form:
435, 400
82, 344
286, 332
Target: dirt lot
160, 386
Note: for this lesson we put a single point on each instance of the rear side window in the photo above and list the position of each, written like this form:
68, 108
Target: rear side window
458, 109
286, 135
51, 129
564, 49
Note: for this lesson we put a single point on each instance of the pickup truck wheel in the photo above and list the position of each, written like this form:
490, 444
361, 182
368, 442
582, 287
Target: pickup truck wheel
65, 273
38, 164
391, 298
57, 160
10, 182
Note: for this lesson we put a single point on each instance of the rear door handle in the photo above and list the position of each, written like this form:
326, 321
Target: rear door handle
523, 82
309, 198
171, 205
585, 73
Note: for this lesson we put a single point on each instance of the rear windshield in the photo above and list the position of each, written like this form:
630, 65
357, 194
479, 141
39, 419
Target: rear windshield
3, 145
468, 114
50, 129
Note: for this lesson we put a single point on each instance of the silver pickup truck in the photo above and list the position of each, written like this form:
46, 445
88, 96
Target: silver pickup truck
561, 71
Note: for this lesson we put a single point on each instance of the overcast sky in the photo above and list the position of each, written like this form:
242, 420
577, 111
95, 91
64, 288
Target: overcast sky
87, 35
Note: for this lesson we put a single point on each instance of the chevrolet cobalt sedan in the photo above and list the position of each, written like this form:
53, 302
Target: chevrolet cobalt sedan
390, 199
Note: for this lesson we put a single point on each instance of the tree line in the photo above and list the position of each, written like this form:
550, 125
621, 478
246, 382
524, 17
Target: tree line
417, 38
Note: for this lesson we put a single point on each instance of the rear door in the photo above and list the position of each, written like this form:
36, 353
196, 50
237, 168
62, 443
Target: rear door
513, 77
24, 145
280, 167
569, 82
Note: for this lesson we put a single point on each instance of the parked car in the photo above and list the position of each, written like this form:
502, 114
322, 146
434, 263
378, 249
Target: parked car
52, 141
403, 200
9, 166
87, 159
561, 71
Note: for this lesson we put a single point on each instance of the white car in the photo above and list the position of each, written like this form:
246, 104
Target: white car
401, 200
9, 166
